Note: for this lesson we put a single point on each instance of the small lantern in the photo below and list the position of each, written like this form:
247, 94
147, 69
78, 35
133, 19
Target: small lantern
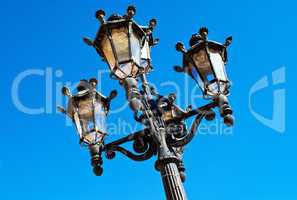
205, 63
88, 109
123, 44
120, 41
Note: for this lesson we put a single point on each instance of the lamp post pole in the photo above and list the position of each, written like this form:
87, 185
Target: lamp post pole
125, 47
167, 161
172, 183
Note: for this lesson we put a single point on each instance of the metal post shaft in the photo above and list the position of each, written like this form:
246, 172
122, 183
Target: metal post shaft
172, 183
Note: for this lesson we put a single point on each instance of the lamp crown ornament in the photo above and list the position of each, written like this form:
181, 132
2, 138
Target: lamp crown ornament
203, 32
131, 11
100, 14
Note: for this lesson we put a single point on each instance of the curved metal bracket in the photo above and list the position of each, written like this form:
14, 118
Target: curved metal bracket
201, 113
141, 157
147, 154
188, 138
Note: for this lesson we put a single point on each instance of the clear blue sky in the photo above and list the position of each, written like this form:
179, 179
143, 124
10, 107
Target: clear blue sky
39, 155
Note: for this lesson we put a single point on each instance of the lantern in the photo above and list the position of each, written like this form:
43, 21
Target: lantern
123, 44
88, 110
205, 63
121, 41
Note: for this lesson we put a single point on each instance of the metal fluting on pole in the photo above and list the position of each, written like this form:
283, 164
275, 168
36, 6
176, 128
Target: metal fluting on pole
172, 183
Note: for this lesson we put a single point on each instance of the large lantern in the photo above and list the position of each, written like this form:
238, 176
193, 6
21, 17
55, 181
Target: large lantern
205, 63
88, 109
123, 44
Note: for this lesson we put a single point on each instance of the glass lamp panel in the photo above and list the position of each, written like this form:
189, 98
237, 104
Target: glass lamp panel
92, 132
121, 43
135, 47
194, 73
85, 110
77, 124
107, 51
97, 133
203, 65
218, 64
145, 55
100, 117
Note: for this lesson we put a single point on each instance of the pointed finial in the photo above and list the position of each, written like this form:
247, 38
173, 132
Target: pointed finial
93, 82
65, 91
88, 41
203, 31
100, 14
228, 41
152, 23
131, 11
180, 47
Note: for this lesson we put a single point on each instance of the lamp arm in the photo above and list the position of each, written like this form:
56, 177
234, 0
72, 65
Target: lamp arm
141, 157
145, 155
201, 112
128, 138
189, 136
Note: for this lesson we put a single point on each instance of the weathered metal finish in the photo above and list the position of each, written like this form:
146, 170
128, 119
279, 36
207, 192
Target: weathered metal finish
172, 183
165, 134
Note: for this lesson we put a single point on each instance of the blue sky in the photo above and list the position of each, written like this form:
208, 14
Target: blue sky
39, 155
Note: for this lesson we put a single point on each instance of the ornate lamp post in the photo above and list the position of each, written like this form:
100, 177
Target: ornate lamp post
125, 47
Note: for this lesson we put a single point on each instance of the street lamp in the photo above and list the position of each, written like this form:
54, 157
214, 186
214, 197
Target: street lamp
123, 44
126, 46
205, 63
88, 110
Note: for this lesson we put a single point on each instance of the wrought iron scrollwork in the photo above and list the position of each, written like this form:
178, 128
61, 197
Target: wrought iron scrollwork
148, 150
180, 142
202, 112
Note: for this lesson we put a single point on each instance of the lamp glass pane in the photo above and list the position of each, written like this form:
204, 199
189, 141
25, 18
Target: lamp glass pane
145, 55
107, 51
85, 109
92, 132
135, 47
194, 73
77, 124
218, 64
121, 43
100, 117
203, 65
